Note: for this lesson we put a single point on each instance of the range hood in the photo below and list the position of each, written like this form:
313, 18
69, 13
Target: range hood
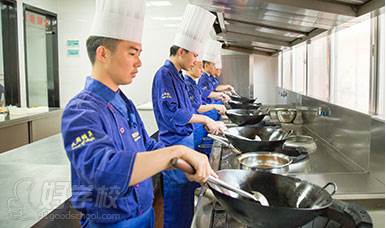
268, 26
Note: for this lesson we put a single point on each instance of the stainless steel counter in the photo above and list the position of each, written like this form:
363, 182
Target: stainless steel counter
8, 120
34, 180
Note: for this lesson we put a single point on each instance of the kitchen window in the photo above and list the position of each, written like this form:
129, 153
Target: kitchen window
9, 71
318, 76
280, 70
41, 48
381, 67
351, 72
299, 68
287, 70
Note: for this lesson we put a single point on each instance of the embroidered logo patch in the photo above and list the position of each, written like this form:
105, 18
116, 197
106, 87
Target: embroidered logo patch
166, 95
82, 140
136, 136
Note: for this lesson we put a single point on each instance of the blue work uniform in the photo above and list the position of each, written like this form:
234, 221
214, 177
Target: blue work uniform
102, 134
206, 84
173, 111
195, 97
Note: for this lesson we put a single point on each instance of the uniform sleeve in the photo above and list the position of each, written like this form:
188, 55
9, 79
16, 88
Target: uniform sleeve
92, 152
168, 103
205, 87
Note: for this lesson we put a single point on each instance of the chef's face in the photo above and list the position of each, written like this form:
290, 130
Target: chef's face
122, 64
209, 68
217, 72
196, 71
187, 59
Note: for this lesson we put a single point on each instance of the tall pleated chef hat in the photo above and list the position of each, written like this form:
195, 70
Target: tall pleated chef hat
218, 62
212, 51
194, 29
119, 19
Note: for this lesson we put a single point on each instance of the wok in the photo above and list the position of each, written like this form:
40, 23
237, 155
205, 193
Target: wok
242, 99
245, 116
293, 202
244, 138
240, 105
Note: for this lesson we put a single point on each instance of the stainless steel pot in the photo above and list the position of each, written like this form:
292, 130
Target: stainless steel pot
301, 142
265, 161
273, 112
309, 114
286, 116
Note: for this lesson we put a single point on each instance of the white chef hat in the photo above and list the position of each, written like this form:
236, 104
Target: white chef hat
212, 50
119, 19
218, 62
194, 29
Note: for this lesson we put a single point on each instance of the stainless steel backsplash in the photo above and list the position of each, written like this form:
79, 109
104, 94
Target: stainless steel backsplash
358, 136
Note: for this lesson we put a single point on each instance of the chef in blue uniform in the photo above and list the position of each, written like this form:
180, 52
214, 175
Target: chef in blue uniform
191, 78
174, 113
207, 82
112, 157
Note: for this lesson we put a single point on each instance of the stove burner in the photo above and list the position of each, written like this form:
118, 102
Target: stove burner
339, 215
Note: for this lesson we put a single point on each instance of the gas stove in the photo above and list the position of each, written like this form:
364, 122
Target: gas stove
210, 214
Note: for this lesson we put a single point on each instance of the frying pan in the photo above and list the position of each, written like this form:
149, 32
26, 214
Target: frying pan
292, 202
242, 99
240, 105
254, 138
245, 116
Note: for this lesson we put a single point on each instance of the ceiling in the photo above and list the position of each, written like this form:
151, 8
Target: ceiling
268, 26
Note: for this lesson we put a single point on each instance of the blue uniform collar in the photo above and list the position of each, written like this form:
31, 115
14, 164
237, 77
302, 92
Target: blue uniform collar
117, 99
168, 64
191, 80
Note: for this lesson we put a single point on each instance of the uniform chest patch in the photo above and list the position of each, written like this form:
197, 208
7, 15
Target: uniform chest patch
135, 136
166, 95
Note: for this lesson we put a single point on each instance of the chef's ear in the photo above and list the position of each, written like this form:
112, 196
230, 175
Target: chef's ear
102, 53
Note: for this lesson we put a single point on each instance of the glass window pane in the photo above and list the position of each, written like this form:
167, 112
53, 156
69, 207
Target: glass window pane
319, 69
2, 80
299, 68
36, 59
280, 71
381, 67
352, 67
287, 74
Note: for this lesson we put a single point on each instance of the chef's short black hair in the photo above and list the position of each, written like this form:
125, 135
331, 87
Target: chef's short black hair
204, 63
174, 50
93, 42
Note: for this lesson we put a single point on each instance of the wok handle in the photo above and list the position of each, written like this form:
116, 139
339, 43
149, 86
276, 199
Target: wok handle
219, 139
183, 165
334, 188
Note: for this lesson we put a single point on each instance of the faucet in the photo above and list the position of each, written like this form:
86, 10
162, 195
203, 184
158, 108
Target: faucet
324, 110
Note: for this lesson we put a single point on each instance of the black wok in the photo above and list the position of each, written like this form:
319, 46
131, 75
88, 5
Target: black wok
244, 138
292, 202
245, 116
240, 105
242, 99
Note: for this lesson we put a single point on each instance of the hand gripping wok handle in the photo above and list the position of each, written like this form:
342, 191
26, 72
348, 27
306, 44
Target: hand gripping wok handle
187, 168
183, 165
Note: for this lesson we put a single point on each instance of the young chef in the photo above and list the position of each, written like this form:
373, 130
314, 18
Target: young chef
207, 82
195, 95
174, 112
104, 136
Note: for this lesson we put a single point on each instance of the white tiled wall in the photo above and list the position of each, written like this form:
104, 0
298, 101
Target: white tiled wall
265, 78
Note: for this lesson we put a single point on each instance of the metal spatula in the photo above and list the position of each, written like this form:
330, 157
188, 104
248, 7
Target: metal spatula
256, 196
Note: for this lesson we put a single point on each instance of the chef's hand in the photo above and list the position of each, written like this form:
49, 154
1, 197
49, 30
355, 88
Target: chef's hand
200, 163
228, 93
225, 98
220, 109
215, 127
